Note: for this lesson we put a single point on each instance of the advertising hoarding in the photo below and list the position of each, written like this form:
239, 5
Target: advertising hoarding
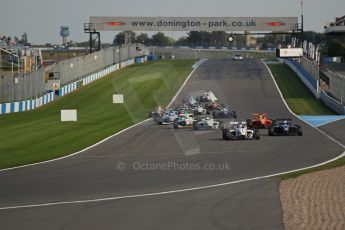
267, 24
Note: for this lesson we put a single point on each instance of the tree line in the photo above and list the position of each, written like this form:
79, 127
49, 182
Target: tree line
330, 46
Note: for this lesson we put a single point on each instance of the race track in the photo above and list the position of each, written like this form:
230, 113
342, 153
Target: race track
247, 87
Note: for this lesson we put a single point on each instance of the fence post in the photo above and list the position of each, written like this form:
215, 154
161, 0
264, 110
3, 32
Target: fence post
3, 88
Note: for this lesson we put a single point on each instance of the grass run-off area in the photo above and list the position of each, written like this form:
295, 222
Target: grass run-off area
301, 101
39, 135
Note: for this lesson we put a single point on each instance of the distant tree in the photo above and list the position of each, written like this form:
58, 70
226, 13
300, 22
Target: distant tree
143, 38
196, 38
182, 41
24, 39
239, 41
120, 38
83, 44
218, 38
16, 39
159, 39
315, 38
336, 48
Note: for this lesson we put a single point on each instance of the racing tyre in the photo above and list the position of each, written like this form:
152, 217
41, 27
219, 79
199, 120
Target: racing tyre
175, 126
249, 123
231, 136
195, 125
270, 131
299, 131
292, 131
225, 134
257, 135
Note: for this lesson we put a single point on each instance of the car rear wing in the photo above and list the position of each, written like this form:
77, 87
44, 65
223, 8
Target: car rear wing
283, 119
257, 114
212, 97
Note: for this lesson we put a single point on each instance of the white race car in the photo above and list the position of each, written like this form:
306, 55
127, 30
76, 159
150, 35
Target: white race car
205, 123
240, 131
238, 57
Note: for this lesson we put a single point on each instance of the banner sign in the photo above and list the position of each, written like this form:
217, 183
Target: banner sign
266, 24
289, 52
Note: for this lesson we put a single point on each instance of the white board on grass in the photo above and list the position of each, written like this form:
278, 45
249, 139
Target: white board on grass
69, 115
118, 99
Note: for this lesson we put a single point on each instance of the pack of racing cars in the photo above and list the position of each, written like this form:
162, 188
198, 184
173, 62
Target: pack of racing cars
200, 112
205, 112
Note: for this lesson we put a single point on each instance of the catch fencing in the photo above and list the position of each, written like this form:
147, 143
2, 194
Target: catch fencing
33, 85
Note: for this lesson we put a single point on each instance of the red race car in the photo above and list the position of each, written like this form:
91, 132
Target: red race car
260, 121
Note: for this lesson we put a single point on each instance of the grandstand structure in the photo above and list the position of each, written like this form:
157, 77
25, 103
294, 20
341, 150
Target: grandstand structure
336, 28
333, 71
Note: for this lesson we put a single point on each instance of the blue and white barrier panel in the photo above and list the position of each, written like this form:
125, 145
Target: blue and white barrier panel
310, 82
93, 77
141, 59
67, 89
21, 106
26, 105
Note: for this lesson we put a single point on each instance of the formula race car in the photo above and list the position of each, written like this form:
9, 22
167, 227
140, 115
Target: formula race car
207, 97
156, 112
213, 106
184, 121
167, 118
284, 127
199, 110
238, 57
163, 117
205, 123
240, 131
224, 113
260, 121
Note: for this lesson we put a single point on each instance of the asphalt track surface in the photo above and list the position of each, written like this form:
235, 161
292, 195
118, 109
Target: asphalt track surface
195, 159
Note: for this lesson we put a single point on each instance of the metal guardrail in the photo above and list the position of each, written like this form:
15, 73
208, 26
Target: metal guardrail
332, 103
305, 76
336, 86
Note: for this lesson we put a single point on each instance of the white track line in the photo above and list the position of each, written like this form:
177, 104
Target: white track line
161, 193
193, 188
185, 82
330, 122
73, 154
104, 140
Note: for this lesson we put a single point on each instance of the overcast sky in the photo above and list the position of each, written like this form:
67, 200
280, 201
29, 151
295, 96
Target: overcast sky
42, 19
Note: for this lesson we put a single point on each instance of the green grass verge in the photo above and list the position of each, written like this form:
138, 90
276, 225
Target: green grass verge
271, 60
300, 101
334, 164
38, 135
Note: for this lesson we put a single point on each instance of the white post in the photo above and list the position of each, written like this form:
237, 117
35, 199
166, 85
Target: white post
12, 63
